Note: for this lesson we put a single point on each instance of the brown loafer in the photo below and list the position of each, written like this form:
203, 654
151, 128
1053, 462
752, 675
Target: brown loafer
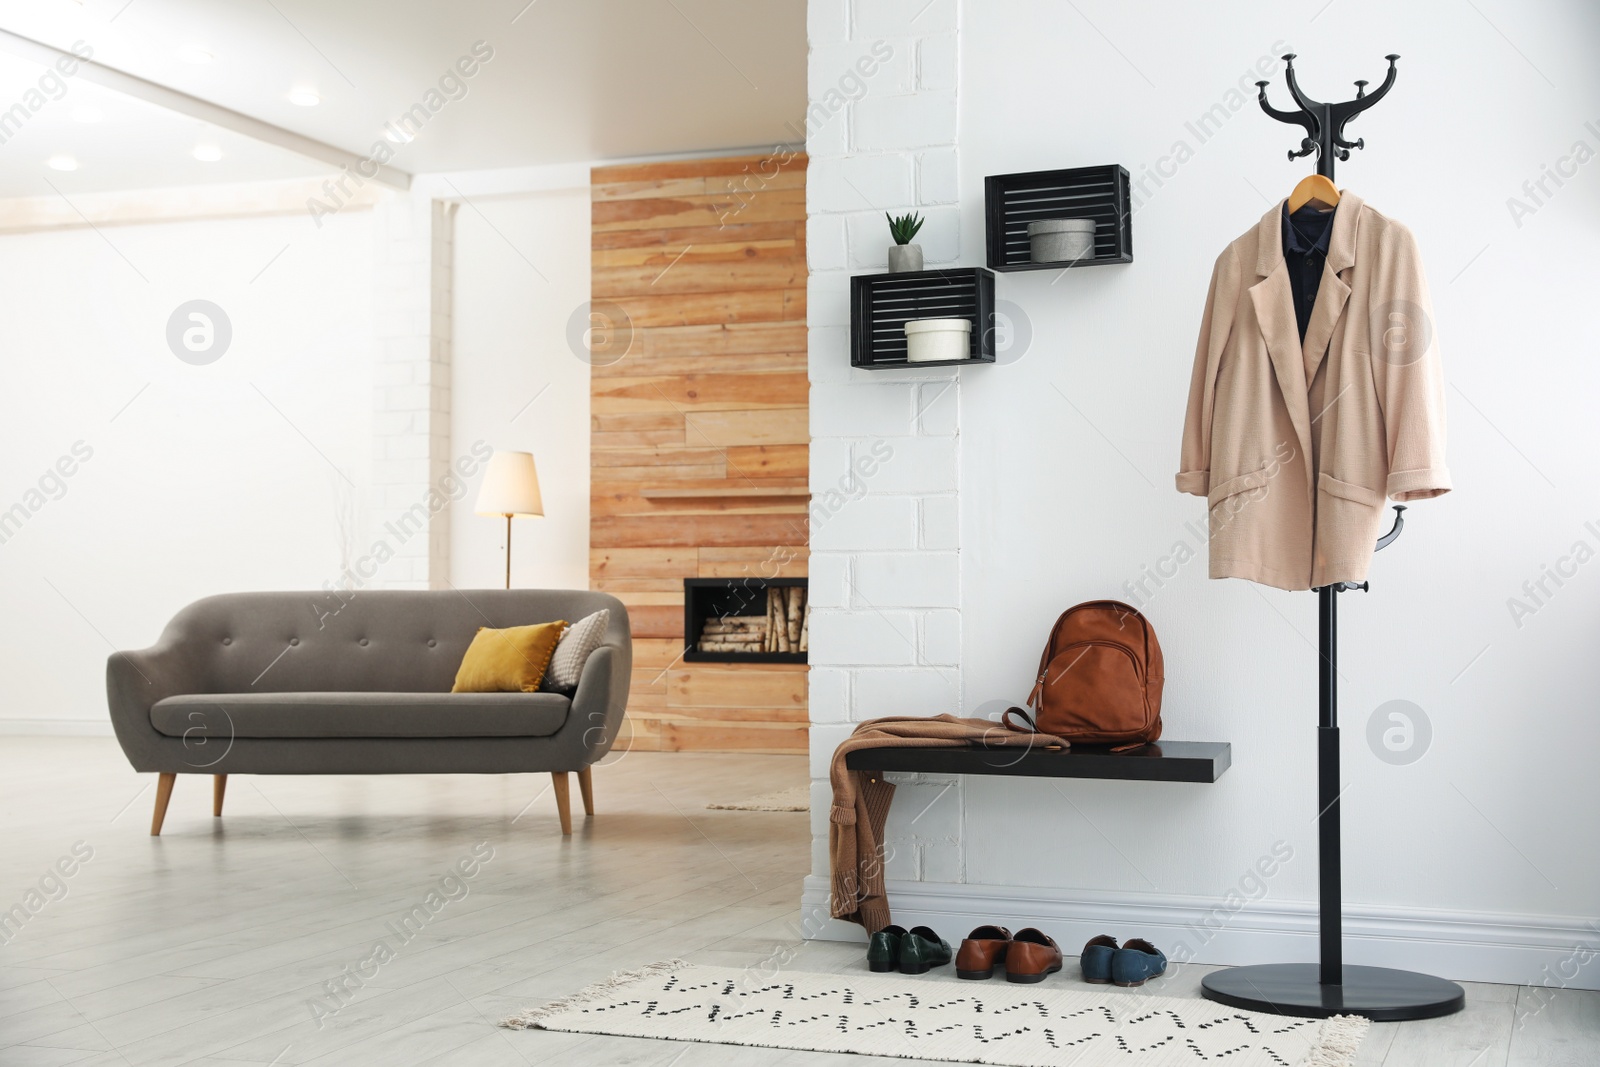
982, 949
1030, 956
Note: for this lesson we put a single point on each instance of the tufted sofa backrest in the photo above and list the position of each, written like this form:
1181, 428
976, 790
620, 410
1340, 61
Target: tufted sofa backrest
399, 641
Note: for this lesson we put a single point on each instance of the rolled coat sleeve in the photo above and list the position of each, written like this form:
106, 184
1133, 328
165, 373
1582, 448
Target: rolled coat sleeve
1409, 379
1194, 465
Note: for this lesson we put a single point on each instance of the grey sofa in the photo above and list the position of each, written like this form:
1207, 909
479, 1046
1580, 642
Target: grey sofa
359, 683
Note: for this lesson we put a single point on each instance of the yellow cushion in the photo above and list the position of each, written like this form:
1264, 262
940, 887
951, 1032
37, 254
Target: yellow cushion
512, 660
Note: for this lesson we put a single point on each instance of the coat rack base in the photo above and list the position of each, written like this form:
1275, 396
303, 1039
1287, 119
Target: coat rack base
1381, 994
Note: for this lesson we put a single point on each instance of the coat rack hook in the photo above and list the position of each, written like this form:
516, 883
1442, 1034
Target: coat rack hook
1394, 531
1323, 122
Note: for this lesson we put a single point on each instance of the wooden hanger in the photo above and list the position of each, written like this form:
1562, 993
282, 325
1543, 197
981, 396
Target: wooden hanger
1313, 189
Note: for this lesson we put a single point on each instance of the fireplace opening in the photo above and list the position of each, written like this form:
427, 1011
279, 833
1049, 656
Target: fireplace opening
745, 620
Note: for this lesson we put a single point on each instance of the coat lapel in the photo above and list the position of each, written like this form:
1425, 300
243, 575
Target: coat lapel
1332, 292
1274, 306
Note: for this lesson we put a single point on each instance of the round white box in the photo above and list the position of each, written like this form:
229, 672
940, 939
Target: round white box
931, 340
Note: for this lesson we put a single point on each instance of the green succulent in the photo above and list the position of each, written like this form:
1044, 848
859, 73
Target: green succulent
904, 228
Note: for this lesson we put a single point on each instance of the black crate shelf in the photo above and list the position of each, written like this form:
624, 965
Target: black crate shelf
882, 304
1011, 201
709, 598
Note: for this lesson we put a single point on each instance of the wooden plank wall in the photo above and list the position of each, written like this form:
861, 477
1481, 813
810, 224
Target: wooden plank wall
707, 259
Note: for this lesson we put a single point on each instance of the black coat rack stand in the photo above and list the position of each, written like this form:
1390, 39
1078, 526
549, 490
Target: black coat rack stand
1332, 988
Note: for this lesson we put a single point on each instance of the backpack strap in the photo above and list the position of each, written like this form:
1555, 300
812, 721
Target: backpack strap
1029, 726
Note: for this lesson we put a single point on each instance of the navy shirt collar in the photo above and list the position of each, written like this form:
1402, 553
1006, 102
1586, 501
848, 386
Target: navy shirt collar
1307, 230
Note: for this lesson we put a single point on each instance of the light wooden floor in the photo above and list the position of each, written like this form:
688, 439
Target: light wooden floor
204, 946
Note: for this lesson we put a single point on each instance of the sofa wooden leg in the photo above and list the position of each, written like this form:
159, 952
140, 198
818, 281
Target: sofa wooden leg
219, 786
563, 800
163, 794
586, 788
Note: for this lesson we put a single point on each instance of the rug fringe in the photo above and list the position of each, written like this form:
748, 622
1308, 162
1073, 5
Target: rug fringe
529, 1018
1338, 1041
795, 798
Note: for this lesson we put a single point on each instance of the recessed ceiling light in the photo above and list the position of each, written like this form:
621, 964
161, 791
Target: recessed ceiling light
86, 113
62, 163
193, 53
207, 153
304, 98
396, 134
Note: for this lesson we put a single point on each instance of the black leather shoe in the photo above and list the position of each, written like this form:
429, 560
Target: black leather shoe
883, 950
921, 949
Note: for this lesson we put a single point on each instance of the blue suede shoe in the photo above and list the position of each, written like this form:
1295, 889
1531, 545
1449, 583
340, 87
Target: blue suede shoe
1096, 959
1137, 962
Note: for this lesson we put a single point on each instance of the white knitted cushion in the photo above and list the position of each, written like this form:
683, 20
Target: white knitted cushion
577, 645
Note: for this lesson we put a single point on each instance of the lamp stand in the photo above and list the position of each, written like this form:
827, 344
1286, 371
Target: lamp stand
508, 551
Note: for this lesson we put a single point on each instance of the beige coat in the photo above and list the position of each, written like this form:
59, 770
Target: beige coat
1295, 447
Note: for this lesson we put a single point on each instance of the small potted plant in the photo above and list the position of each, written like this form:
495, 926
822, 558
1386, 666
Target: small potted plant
903, 255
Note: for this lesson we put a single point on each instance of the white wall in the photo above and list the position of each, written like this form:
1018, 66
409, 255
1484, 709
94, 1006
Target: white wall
1066, 459
368, 356
228, 476
521, 273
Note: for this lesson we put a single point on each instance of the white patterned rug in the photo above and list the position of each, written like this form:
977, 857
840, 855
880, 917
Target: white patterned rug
912, 1018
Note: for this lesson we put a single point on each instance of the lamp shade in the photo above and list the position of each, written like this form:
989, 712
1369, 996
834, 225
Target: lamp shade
510, 486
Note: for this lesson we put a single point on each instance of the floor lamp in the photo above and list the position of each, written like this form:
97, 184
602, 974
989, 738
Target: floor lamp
510, 488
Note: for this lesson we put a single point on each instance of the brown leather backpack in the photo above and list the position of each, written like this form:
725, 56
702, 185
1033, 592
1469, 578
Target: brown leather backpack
1099, 678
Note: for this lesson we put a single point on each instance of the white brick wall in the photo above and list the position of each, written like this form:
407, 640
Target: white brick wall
863, 637
912, 120
868, 236
874, 521
905, 579
857, 409
411, 386
920, 464
827, 22
941, 637
905, 18
885, 445
936, 177
922, 691
867, 180
940, 521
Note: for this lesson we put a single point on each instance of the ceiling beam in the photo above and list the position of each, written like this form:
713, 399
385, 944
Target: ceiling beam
204, 110
222, 200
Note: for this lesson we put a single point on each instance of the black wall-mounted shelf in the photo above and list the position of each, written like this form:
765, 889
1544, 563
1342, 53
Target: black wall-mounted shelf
710, 598
1164, 761
1011, 201
882, 304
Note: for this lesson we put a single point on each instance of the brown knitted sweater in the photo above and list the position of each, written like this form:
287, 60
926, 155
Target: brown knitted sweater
861, 803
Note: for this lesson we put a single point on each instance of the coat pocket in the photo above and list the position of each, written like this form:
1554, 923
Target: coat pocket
1360, 494
1228, 498
1348, 517
1256, 479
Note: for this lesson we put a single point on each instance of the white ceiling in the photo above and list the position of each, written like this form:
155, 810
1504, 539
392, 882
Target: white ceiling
569, 80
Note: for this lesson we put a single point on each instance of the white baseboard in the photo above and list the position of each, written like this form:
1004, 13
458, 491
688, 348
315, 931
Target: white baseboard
1554, 951
55, 728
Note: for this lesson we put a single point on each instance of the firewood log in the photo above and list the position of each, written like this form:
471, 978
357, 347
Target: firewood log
728, 646
780, 619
